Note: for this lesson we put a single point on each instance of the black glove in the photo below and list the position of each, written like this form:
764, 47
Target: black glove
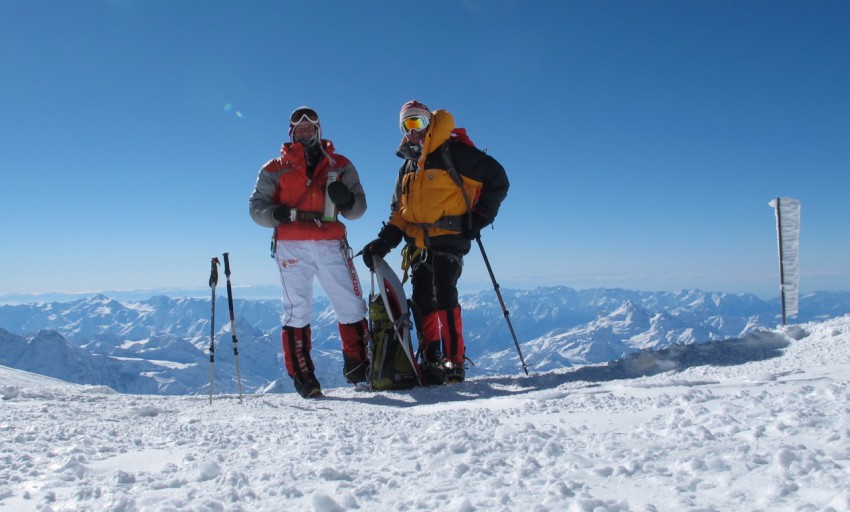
377, 247
478, 223
341, 195
282, 214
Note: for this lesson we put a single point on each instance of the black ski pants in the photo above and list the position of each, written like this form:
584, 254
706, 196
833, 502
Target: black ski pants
434, 279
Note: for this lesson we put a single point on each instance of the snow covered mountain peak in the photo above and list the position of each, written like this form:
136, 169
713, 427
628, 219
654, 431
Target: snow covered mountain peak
161, 344
628, 317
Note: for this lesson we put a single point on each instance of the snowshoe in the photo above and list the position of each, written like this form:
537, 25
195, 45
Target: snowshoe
393, 363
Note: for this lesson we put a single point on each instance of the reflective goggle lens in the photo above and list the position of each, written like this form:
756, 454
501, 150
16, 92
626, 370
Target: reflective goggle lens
413, 123
304, 115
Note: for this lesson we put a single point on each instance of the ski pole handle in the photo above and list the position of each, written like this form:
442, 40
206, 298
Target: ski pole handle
229, 291
214, 272
227, 264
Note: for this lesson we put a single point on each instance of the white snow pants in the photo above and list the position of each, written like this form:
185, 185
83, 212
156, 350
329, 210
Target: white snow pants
299, 261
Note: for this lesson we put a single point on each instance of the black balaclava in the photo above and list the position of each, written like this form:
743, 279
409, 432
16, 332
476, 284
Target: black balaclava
312, 146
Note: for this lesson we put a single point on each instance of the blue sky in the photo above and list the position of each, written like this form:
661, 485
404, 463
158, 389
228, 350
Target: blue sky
643, 140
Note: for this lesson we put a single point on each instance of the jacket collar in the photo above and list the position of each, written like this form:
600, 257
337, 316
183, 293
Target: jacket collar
326, 145
408, 152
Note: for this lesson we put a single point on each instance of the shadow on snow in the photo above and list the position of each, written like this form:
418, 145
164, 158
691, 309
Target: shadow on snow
757, 346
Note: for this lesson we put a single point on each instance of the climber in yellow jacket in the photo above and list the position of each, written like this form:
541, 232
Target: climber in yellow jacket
447, 191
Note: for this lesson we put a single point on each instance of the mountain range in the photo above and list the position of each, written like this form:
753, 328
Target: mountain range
161, 345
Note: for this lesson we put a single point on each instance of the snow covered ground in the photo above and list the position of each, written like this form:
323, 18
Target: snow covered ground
760, 423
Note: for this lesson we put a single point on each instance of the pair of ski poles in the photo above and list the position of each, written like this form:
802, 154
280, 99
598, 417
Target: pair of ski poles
213, 282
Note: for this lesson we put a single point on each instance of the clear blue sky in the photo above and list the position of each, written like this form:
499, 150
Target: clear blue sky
643, 140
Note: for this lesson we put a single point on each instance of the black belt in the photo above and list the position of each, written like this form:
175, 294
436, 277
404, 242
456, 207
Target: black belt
308, 216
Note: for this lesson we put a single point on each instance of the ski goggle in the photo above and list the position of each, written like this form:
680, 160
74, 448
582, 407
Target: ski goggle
415, 123
304, 115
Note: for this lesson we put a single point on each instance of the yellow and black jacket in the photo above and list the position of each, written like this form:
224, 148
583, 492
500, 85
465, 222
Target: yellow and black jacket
429, 206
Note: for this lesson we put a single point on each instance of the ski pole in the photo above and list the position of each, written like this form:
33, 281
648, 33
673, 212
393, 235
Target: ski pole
501, 301
232, 323
213, 282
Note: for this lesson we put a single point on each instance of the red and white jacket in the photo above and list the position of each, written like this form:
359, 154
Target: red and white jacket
284, 181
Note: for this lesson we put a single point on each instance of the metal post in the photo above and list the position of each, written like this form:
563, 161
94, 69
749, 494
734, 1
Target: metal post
781, 265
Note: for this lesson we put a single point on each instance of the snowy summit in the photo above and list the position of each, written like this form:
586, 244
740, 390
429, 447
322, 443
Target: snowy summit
757, 423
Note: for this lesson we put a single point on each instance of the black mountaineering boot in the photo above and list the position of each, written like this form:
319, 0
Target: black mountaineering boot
454, 372
307, 388
355, 371
432, 367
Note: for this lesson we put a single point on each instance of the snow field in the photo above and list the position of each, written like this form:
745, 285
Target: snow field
770, 434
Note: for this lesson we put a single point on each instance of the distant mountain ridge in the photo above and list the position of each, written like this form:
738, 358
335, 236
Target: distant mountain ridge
160, 345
